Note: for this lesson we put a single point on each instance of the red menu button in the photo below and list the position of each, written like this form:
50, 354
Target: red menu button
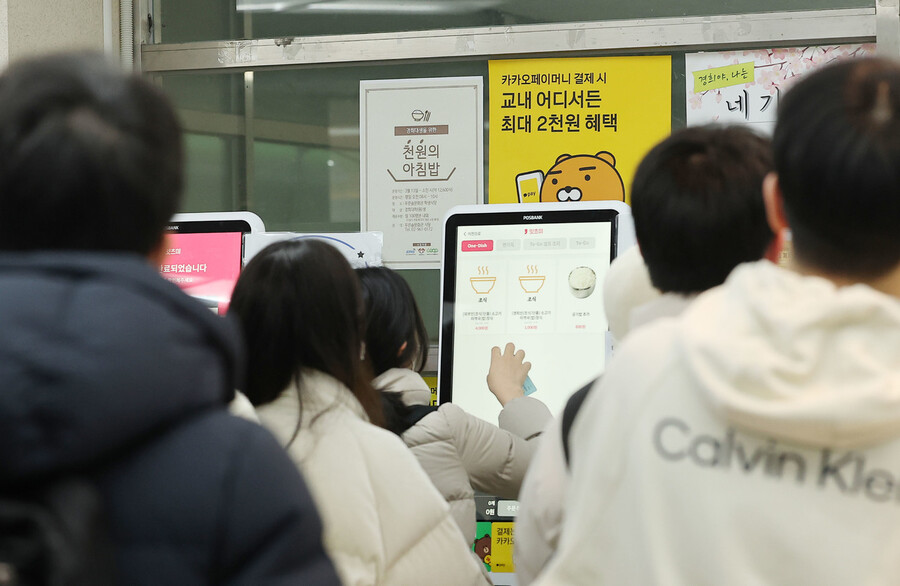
477, 245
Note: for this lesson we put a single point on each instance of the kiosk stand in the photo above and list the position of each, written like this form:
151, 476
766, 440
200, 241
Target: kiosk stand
530, 274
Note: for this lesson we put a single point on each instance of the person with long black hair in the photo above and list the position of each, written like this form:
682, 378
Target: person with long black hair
300, 307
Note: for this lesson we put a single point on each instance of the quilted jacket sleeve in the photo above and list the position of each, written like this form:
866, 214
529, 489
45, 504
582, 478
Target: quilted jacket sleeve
494, 458
525, 417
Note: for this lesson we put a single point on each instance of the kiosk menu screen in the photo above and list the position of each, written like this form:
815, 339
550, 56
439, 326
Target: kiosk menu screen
204, 259
533, 279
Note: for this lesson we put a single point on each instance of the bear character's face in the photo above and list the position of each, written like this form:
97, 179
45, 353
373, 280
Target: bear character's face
583, 178
483, 548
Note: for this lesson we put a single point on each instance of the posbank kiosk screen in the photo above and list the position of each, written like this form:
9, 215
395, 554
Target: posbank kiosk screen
204, 254
530, 275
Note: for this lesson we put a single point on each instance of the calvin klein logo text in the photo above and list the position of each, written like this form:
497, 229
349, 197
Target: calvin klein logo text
847, 472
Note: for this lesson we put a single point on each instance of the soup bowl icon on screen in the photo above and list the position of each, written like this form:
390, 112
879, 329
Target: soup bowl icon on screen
483, 285
532, 283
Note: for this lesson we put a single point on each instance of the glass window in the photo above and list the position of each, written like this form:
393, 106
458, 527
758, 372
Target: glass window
306, 188
211, 108
184, 21
426, 286
305, 136
221, 93
302, 172
283, 141
209, 173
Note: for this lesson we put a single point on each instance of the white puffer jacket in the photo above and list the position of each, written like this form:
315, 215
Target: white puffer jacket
754, 440
543, 492
384, 523
463, 453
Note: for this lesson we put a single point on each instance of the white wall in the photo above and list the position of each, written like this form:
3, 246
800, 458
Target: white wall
34, 27
4, 34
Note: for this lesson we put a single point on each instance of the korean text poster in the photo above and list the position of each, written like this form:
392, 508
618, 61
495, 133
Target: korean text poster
743, 87
421, 153
574, 129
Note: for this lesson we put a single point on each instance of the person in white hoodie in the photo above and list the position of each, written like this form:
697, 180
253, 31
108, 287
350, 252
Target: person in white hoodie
299, 305
698, 212
756, 439
460, 452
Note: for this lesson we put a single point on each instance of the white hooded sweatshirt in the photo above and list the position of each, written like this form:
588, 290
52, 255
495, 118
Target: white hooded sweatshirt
630, 301
755, 440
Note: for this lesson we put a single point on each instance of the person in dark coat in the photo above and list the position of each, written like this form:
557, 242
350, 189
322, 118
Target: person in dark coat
109, 371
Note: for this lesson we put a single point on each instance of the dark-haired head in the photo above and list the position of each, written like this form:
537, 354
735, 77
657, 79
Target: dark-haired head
698, 206
837, 155
396, 336
299, 304
90, 158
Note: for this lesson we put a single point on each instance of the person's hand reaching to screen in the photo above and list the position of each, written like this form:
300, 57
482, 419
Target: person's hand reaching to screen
507, 373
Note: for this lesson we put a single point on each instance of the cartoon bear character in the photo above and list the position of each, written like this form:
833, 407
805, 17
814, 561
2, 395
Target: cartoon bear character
583, 178
483, 549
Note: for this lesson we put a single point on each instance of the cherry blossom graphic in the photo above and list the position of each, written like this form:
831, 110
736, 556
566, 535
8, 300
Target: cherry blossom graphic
774, 72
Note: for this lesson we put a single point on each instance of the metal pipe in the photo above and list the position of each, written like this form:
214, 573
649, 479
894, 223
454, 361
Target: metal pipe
649, 35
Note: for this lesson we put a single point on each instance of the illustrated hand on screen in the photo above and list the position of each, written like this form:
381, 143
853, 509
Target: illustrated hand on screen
508, 373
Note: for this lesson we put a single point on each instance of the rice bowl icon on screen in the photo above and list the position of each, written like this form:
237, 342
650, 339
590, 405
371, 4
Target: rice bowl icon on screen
582, 281
483, 283
532, 282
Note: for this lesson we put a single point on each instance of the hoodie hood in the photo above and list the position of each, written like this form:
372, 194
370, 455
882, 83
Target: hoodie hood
626, 287
100, 353
796, 358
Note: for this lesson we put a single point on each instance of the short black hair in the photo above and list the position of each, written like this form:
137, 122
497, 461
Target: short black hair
392, 318
300, 307
698, 206
90, 158
837, 154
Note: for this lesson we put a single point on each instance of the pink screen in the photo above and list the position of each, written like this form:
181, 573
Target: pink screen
204, 265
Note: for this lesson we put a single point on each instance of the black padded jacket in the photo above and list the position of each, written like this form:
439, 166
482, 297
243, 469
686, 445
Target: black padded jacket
108, 370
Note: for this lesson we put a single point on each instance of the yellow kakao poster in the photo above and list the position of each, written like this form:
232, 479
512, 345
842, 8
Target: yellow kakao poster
574, 129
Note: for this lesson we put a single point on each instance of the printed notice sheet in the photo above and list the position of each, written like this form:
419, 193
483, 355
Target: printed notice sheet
420, 154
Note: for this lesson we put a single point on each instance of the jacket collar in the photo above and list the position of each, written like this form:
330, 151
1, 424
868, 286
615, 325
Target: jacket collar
99, 352
412, 388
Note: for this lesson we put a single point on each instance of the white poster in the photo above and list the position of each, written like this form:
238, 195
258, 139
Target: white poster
420, 154
744, 87
361, 250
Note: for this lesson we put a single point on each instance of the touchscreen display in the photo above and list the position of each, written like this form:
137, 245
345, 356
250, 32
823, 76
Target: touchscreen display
205, 266
539, 286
